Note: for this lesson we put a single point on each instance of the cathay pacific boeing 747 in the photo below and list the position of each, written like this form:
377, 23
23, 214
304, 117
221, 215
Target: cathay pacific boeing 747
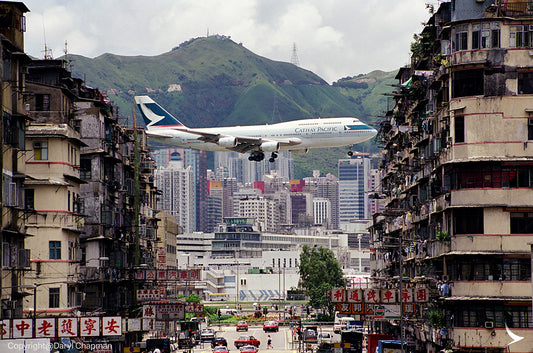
296, 136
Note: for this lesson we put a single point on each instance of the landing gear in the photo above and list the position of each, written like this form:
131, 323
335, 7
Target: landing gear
257, 156
273, 157
350, 152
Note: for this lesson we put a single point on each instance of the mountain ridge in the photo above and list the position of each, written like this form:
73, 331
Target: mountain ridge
213, 81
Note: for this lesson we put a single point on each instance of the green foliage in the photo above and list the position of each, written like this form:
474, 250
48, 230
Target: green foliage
193, 298
436, 318
442, 236
320, 272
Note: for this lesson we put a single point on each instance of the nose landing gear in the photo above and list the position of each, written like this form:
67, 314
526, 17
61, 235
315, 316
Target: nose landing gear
350, 152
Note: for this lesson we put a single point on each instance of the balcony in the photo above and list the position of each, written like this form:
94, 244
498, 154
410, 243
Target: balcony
491, 288
516, 8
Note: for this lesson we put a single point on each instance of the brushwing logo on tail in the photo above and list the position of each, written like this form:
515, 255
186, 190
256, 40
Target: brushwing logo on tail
154, 115
150, 118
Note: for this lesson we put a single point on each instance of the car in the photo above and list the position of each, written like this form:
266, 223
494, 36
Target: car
249, 349
246, 341
242, 326
324, 337
219, 341
270, 326
207, 334
220, 349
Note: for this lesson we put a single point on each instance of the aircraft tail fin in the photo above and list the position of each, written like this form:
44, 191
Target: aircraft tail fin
154, 115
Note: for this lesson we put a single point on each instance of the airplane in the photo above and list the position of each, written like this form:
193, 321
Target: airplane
296, 136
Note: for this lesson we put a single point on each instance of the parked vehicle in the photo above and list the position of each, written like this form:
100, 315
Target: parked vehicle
207, 334
310, 334
162, 343
270, 326
249, 349
242, 326
324, 337
219, 341
372, 340
246, 341
340, 323
220, 349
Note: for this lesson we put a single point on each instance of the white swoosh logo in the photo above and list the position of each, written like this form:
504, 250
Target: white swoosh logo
153, 117
515, 337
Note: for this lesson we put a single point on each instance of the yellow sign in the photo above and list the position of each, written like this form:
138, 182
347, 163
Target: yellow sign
341, 345
132, 349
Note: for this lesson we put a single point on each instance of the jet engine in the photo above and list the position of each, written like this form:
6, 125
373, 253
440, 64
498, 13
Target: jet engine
228, 141
270, 146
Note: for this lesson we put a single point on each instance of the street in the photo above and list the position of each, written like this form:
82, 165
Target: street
281, 341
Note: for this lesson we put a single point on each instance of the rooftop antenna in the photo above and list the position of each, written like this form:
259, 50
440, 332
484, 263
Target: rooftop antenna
47, 51
294, 57
67, 60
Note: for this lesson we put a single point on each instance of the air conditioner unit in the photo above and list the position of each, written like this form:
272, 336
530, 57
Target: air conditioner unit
489, 324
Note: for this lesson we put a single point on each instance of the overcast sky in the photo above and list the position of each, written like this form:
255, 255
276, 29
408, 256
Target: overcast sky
333, 38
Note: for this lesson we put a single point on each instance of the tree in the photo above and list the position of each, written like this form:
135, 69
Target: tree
320, 272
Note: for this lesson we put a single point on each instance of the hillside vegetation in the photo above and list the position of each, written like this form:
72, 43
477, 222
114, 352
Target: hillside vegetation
213, 81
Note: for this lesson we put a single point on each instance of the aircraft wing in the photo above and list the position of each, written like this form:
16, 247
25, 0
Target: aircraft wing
240, 144
157, 134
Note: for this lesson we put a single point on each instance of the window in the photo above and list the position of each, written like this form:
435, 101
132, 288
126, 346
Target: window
55, 250
522, 223
42, 102
467, 83
525, 83
520, 36
40, 150
495, 35
53, 297
459, 129
468, 221
29, 199
85, 169
461, 38
476, 36
530, 129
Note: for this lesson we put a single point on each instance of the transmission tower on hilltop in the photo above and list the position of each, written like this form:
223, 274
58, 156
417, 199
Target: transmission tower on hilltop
294, 57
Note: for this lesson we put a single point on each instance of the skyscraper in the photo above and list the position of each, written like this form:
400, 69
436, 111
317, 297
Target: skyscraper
353, 188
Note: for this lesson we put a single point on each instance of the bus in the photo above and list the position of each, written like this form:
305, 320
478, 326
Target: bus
352, 341
217, 297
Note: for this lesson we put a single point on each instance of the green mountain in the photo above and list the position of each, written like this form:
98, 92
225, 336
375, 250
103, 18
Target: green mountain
213, 81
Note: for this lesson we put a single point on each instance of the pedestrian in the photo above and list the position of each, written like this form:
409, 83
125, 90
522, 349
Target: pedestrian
269, 342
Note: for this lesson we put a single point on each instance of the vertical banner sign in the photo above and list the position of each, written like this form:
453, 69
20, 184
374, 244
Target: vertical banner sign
67, 327
45, 328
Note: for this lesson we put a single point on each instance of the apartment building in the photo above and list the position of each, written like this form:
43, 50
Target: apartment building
15, 257
457, 177
53, 188
177, 193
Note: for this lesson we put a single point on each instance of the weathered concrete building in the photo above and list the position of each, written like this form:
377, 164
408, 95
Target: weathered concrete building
458, 180
53, 189
14, 257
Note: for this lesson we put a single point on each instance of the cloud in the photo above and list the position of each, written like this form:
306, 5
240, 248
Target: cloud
334, 39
